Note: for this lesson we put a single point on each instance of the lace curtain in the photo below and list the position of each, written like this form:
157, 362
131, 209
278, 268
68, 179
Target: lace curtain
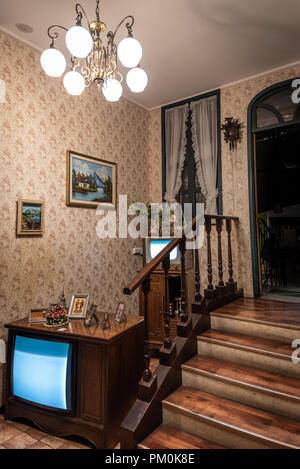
205, 145
175, 137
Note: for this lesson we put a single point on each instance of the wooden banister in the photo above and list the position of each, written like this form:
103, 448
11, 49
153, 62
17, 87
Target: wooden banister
151, 266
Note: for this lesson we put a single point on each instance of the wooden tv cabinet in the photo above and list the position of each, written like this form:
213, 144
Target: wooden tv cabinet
108, 366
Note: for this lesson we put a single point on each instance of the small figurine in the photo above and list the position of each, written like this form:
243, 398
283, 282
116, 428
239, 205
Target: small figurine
62, 300
105, 323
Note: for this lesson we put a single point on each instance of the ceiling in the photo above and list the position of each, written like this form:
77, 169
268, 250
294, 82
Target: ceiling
190, 46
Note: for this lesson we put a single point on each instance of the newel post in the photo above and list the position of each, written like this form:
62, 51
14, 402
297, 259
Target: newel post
168, 352
231, 283
209, 261
184, 326
219, 227
148, 384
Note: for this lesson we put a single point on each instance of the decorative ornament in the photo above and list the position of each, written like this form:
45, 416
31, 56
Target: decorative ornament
232, 131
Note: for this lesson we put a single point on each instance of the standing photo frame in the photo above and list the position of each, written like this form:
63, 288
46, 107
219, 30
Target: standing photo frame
120, 315
90, 181
78, 306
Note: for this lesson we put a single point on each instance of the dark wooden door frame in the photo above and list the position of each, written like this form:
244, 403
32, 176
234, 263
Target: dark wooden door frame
252, 178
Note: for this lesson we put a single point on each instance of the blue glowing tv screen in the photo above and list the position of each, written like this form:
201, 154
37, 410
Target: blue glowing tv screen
41, 372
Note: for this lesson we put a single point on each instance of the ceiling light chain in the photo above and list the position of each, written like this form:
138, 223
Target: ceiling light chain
100, 61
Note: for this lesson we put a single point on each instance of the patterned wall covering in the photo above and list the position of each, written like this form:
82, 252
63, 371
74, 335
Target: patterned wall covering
38, 123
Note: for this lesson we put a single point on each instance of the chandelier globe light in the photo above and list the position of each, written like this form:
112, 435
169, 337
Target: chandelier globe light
79, 42
53, 62
94, 62
130, 52
74, 83
137, 80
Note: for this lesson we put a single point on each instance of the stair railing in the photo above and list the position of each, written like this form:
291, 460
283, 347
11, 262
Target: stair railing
214, 296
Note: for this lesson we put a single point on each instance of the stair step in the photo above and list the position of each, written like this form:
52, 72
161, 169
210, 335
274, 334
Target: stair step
249, 350
166, 437
251, 386
228, 423
269, 319
277, 313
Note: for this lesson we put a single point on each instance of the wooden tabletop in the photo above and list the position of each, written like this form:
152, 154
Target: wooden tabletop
76, 328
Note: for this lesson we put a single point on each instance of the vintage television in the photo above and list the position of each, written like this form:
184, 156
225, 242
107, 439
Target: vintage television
153, 246
42, 372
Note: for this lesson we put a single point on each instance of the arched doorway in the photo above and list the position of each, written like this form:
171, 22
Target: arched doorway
274, 190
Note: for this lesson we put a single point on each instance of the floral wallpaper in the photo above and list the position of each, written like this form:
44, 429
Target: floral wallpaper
38, 123
154, 156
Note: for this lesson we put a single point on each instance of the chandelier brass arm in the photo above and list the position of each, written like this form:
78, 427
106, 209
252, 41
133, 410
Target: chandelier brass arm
129, 27
80, 10
55, 34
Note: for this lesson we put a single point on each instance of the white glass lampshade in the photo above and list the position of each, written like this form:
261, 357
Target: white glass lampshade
112, 90
53, 62
137, 80
79, 42
74, 83
130, 52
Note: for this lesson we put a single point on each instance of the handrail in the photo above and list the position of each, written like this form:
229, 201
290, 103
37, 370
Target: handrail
151, 266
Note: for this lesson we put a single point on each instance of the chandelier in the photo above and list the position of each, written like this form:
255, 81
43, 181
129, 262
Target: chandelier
92, 61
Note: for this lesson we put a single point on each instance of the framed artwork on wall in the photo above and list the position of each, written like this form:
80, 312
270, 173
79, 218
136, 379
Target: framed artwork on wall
30, 218
90, 181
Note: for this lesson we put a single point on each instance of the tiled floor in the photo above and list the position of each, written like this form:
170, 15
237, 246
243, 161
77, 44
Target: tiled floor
16, 435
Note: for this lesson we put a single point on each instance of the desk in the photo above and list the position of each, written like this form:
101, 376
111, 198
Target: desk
107, 367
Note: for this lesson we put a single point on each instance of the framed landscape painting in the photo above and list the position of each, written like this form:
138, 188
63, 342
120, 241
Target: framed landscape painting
30, 220
90, 181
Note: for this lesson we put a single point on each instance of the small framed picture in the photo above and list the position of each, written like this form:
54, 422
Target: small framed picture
120, 315
30, 219
37, 315
78, 306
91, 315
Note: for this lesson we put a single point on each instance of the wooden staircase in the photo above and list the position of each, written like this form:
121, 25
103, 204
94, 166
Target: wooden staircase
242, 390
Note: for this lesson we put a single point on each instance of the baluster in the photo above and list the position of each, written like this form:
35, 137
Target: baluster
198, 296
219, 227
209, 262
183, 316
230, 265
166, 268
147, 375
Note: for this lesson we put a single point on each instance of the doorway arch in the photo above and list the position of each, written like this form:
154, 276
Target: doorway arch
262, 103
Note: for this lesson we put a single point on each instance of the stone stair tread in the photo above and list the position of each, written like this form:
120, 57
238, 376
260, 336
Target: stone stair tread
277, 313
260, 425
245, 375
253, 343
167, 437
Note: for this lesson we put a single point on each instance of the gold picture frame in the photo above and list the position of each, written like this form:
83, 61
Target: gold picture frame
78, 306
91, 182
30, 217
